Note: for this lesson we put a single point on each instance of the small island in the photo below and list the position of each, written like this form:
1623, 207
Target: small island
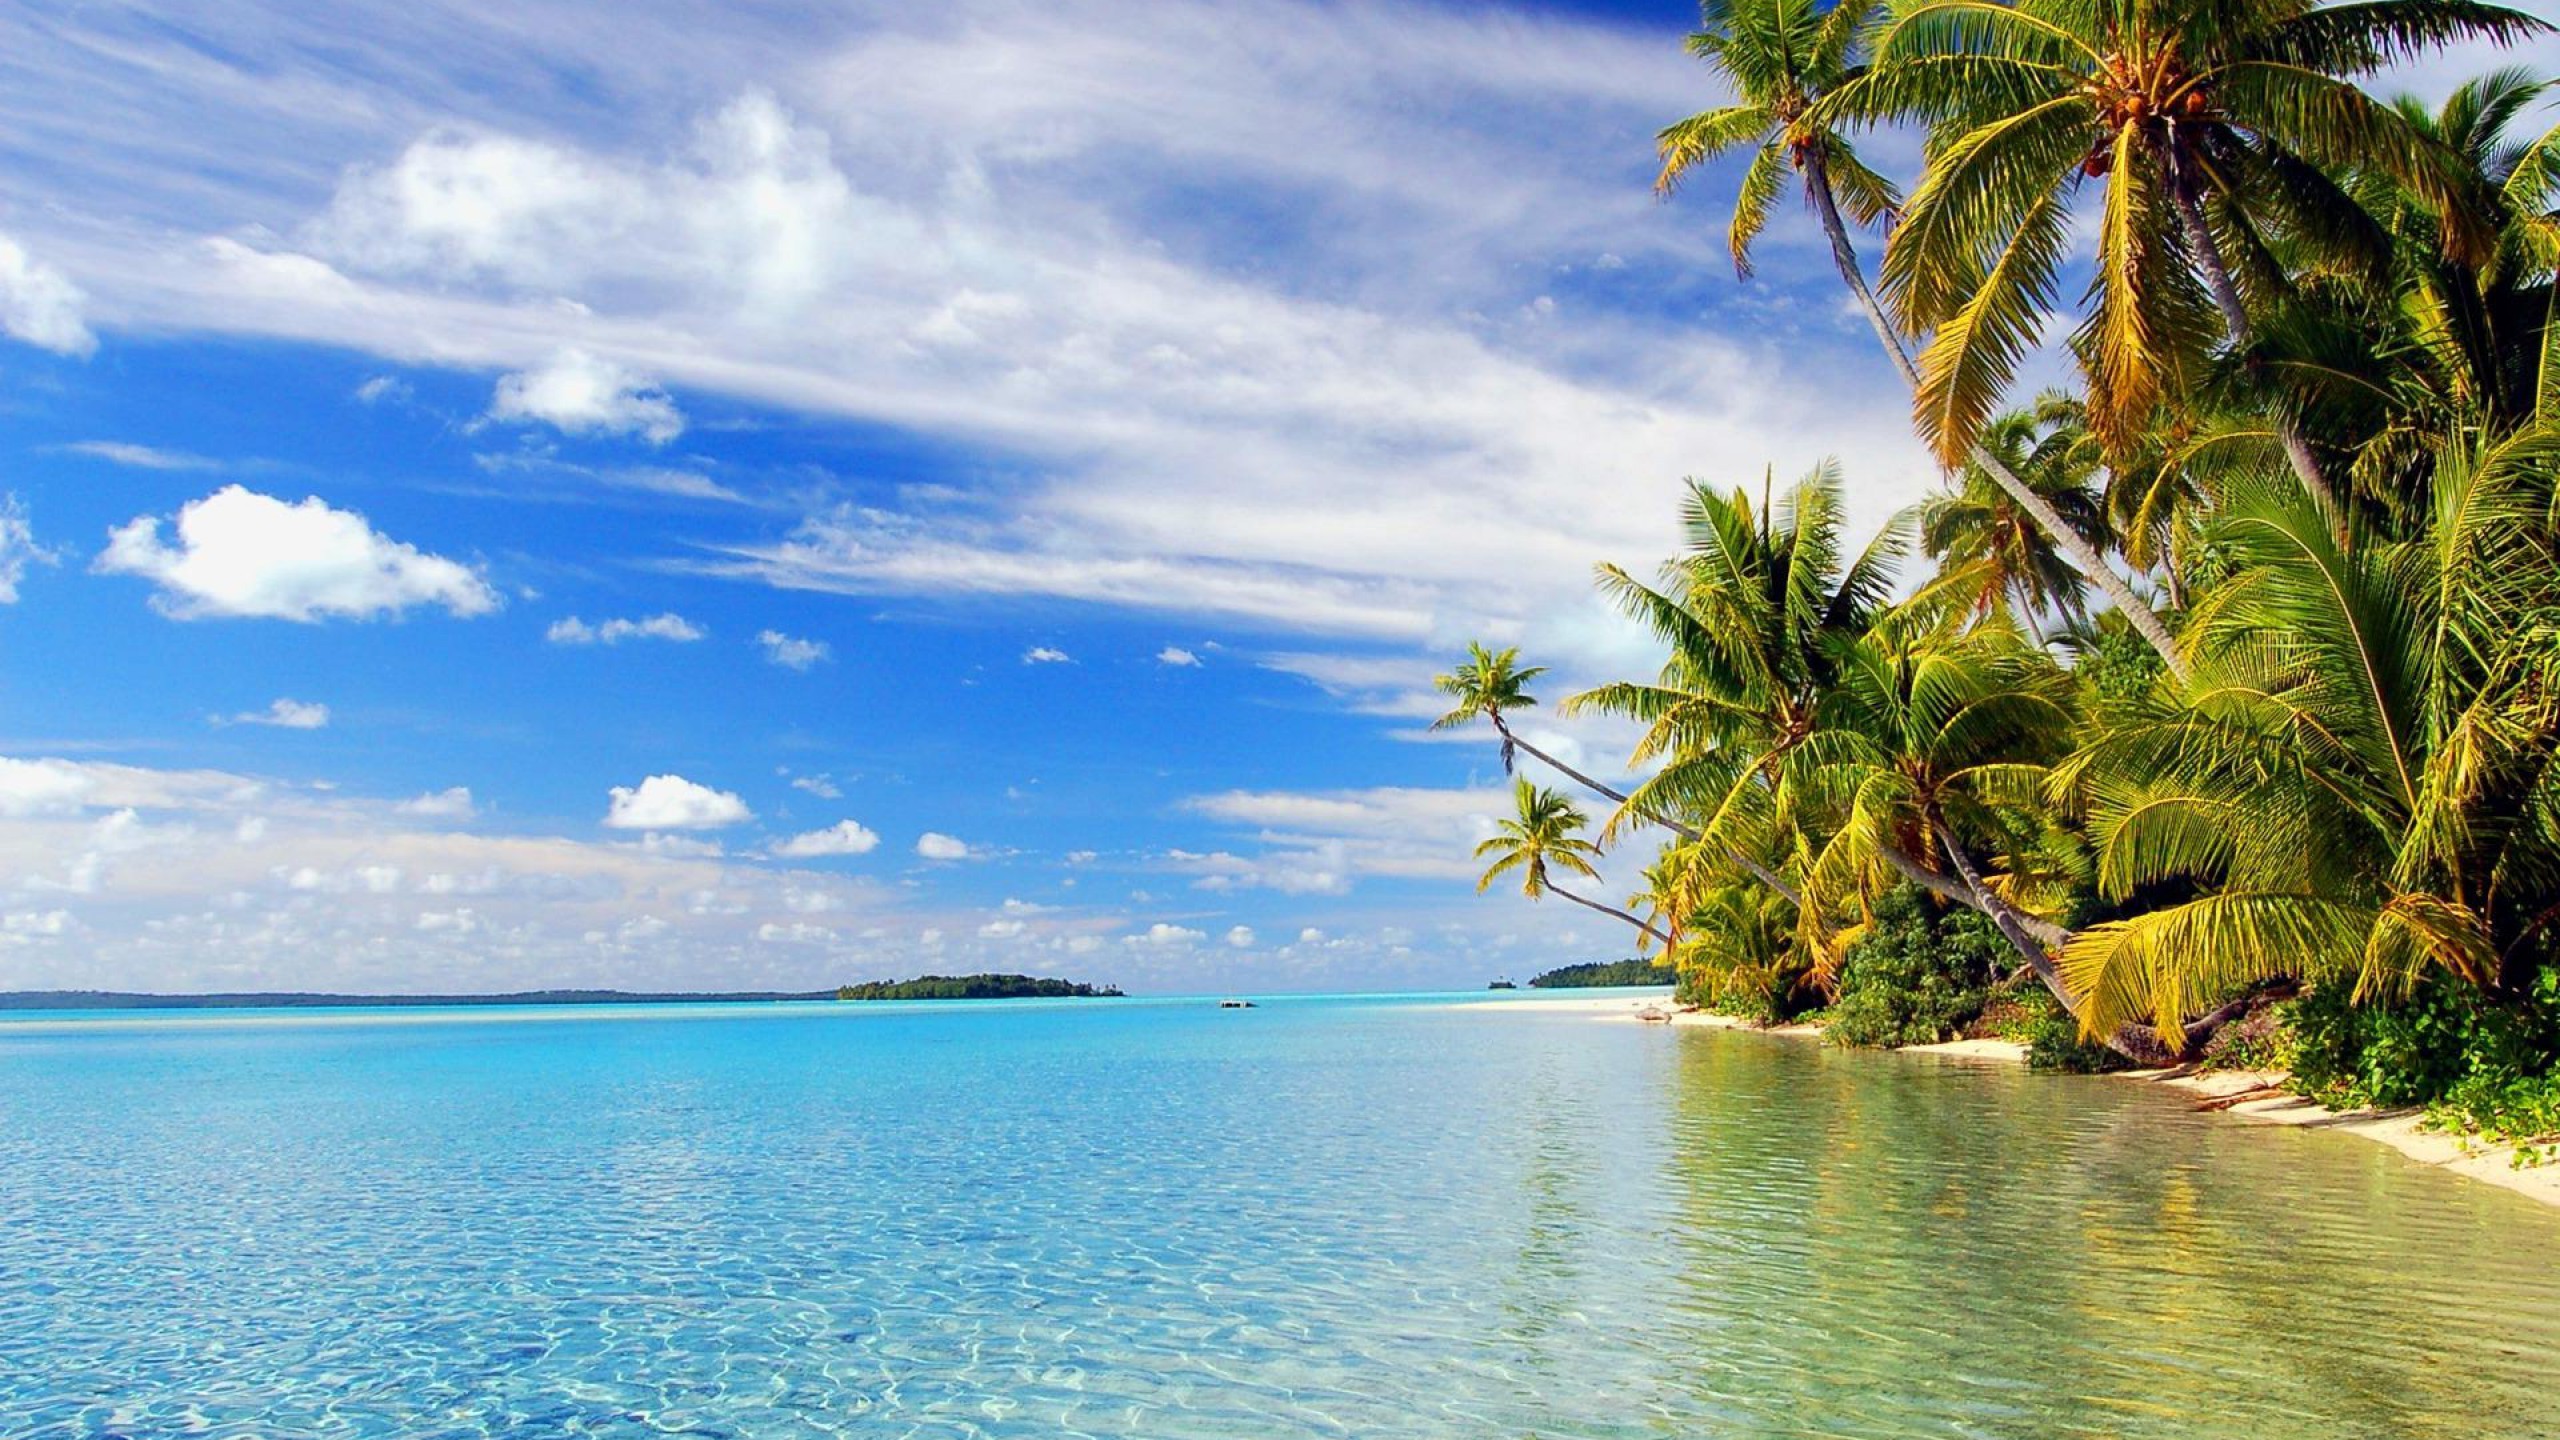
1602, 972
976, 987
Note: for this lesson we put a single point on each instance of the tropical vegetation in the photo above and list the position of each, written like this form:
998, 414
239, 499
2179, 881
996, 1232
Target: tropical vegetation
2213, 702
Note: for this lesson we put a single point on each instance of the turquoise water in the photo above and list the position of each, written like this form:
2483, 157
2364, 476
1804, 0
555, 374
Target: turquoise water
1316, 1218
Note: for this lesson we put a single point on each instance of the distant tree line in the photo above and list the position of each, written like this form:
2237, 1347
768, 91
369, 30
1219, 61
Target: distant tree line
1603, 972
974, 987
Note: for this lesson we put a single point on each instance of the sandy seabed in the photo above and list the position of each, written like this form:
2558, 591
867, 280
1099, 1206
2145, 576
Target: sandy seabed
2265, 1102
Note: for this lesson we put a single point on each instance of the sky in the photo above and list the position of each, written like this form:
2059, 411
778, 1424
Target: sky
748, 496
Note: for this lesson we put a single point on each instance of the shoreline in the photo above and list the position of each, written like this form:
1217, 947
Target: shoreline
2245, 1095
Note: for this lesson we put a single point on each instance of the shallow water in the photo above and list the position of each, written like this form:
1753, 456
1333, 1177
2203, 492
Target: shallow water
1339, 1217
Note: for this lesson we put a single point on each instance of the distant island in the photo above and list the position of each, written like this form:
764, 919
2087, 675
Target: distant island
975, 987
1602, 972
314, 1000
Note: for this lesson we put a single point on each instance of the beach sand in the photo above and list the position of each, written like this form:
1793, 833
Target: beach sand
2254, 1096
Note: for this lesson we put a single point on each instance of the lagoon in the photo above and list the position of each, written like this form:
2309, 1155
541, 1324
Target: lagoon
1321, 1217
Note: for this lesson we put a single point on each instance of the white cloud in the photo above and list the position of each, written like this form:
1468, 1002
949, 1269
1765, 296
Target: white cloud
789, 652
1002, 930
1175, 655
583, 394
1241, 937
381, 388
40, 305
1311, 936
18, 548
797, 933
822, 786
284, 714
845, 837
452, 803
243, 554
671, 802
43, 787
668, 626
140, 457
934, 845
1162, 936
1046, 655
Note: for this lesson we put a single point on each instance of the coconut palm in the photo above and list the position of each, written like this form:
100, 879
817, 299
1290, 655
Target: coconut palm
1753, 615
1929, 750
1542, 837
2363, 781
2216, 126
1990, 552
1787, 61
1489, 683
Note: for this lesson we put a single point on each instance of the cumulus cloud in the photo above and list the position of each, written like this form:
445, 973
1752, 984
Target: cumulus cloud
283, 714
1162, 936
822, 786
1241, 937
451, 803
582, 394
43, 787
789, 652
671, 802
668, 626
40, 305
845, 837
1176, 656
246, 555
934, 845
18, 548
1046, 655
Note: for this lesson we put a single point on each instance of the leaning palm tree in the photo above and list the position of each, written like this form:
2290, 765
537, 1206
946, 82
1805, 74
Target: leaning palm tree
2363, 782
1489, 683
2216, 126
1545, 835
1787, 61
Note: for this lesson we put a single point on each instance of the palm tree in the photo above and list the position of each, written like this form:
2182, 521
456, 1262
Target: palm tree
1990, 552
1786, 61
1928, 747
2215, 125
2363, 781
1542, 837
1753, 615
1490, 682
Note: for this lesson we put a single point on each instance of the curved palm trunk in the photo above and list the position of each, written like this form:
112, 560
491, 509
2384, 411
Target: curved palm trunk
2235, 319
2084, 556
1609, 910
2035, 940
1758, 871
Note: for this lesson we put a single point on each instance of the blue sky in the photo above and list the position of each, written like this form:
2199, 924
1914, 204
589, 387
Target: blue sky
742, 496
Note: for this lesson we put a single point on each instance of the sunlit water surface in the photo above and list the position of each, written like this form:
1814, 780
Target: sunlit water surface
1355, 1218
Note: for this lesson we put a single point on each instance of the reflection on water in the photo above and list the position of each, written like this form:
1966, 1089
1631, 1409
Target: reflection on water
1316, 1218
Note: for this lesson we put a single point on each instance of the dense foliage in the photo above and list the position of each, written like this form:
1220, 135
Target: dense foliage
1600, 973
1920, 973
2219, 685
973, 987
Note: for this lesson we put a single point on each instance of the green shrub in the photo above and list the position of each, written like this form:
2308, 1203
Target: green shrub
2482, 1065
2052, 1036
1743, 992
1920, 974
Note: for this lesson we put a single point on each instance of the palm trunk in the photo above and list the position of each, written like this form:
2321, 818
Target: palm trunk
1757, 871
1609, 910
2235, 319
2084, 556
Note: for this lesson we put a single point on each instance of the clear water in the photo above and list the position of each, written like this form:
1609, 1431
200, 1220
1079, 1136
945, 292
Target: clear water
1310, 1219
